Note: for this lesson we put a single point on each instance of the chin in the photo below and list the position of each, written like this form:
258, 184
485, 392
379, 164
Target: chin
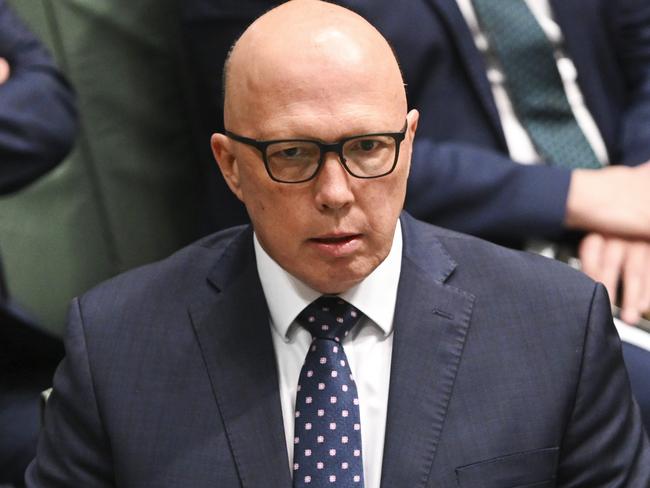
335, 283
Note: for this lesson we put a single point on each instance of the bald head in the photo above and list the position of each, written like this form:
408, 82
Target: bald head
308, 50
305, 73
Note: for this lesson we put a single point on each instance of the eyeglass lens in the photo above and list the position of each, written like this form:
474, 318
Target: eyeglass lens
365, 156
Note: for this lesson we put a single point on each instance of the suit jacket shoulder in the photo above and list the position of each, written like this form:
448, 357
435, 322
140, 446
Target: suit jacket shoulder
175, 279
518, 362
506, 371
475, 260
137, 386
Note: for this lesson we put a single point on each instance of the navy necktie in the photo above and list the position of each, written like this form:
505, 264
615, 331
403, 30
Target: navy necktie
533, 82
327, 436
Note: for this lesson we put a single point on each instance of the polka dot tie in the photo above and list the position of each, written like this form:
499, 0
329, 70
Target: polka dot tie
533, 82
327, 436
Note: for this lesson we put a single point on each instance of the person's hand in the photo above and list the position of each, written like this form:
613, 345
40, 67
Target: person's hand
612, 260
4, 70
613, 201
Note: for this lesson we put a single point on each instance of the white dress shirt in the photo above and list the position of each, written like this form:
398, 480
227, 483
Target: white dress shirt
520, 145
368, 346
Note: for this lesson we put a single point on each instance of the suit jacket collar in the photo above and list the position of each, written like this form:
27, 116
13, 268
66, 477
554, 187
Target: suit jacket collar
232, 328
431, 323
581, 44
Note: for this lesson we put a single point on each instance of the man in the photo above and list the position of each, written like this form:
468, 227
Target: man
467, 173
480, 187
470, 365
37, 128
493, 180
602, 52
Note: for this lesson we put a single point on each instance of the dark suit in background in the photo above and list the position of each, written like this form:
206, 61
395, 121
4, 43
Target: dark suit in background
462, 177
37, 127
170, 377
37, 110
209, 30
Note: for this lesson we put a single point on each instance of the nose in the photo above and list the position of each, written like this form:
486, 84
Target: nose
332, 185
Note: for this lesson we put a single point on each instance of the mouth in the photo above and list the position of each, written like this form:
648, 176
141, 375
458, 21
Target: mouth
336, 239
337, 245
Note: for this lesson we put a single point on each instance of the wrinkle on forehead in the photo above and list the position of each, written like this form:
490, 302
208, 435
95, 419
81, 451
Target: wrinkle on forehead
308, 49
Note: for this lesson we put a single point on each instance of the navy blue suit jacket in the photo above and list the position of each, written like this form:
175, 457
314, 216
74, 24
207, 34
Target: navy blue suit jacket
462, 177
506, 371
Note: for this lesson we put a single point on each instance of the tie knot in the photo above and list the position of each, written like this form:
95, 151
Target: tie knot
329, 317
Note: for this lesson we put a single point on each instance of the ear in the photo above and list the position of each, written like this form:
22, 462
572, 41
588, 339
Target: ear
412, 124
222, 149
412, 117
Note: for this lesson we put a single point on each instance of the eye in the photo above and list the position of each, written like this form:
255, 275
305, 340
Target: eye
290, 152
366, 145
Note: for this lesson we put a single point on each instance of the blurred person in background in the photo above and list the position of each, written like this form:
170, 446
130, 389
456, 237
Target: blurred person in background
37, 129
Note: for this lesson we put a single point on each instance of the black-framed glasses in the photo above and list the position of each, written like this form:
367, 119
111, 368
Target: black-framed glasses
299, 160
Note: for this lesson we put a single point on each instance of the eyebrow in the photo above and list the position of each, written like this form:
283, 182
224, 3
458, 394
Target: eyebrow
348, 134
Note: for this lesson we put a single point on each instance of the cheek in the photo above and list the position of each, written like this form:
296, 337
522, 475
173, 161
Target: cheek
385, 202
382, 211
257, 193
274, 209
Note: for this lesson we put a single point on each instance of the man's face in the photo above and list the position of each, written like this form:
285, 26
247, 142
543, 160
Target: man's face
333, 231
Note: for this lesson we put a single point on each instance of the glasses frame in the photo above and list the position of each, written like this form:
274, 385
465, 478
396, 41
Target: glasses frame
335, 147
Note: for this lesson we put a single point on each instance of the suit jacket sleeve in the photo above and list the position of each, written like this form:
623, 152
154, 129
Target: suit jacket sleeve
37, 112
73, 449
482, 192
479, 190
604, 443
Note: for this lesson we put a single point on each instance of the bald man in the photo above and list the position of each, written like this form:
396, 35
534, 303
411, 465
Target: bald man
337, 341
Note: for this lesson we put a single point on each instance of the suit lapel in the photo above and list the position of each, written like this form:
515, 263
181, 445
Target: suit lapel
471, 58
431, 324
565, 14
235, 340
580, 44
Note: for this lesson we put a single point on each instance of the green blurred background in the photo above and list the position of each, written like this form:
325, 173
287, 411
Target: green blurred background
126, 195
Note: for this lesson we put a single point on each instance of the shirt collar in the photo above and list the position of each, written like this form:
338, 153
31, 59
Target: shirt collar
375, 296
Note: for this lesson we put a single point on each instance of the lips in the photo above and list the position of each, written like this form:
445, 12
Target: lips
337, 245
338, 239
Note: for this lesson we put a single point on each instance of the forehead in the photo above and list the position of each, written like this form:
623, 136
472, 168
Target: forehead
297, 102
331, 81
